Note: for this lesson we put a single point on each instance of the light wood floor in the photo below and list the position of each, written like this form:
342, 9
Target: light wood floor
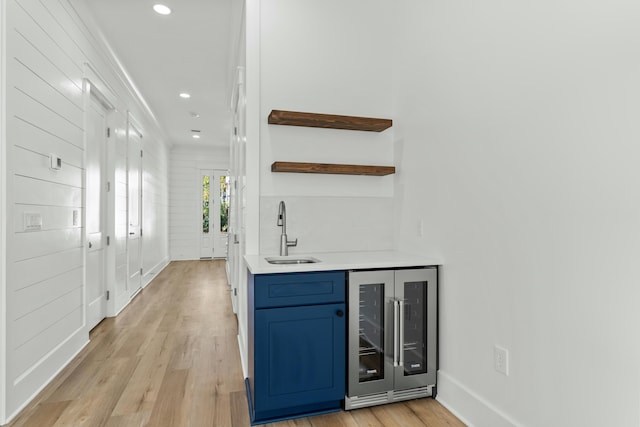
171, 359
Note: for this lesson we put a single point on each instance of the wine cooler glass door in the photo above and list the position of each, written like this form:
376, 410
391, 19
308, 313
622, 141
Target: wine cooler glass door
416, 293
370, 310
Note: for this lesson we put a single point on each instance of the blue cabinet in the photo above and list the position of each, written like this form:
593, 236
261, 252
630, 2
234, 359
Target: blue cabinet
297, 326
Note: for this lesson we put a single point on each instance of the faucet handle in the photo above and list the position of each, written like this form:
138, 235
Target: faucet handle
292, 242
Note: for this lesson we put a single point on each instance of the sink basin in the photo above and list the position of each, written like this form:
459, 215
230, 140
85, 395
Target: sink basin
291, 260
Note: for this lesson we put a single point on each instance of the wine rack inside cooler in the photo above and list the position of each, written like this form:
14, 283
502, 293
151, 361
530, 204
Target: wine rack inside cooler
371, 332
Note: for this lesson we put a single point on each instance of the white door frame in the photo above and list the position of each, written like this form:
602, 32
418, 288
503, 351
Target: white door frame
134, 229
95, 247
96, 87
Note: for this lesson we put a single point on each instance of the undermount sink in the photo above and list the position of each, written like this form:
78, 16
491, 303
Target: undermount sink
291, 260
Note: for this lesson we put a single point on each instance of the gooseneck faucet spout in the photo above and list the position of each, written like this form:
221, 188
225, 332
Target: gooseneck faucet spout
282, 222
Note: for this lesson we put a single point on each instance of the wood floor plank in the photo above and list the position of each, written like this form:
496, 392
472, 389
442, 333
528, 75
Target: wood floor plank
171, 406
142, 390
239, 409
365, 418
44, 414
171, 359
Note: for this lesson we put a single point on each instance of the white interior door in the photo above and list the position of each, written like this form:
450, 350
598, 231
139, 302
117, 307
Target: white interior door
134, 201
95, 212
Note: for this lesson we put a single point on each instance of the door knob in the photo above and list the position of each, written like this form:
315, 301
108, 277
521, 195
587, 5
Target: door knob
90, 245
340, 313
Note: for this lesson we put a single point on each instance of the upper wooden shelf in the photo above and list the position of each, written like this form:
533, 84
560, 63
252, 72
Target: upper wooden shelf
332, 121
330, 168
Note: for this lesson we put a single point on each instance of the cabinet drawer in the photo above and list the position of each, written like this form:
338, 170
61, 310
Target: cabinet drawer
291, 289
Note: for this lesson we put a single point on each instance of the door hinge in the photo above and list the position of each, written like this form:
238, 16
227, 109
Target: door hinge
108, 186
140, 232
140, 153
140, 272
235, 292
108, 240
108, 132
108, 295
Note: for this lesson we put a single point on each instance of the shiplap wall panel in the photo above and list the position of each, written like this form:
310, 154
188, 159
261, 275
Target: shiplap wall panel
37, 244
49, 48
37, 10
32, 352
37, 112
36, 165
57, 217
38, 88
24, 25
35, 270
155, 209
38, 320
35, 139
45, 114
185, 209
37, 61
37, 192
41, 294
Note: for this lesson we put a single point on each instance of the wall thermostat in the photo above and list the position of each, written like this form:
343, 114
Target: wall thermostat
55, 162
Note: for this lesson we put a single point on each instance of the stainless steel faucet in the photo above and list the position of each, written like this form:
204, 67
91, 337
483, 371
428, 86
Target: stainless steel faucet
282, 222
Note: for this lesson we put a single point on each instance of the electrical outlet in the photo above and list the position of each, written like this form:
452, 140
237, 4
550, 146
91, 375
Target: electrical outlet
501, 359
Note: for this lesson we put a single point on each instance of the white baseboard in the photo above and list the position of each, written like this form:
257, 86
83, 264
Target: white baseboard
468, 406
154, 271
80, 342
243, 358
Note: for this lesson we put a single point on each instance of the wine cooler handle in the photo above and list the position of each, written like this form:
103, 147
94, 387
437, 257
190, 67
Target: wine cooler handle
401, 330
396, 306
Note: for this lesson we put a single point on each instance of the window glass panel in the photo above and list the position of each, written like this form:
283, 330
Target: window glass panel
224, 204
205, 204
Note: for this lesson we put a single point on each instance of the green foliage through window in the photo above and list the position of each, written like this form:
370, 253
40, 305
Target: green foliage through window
205, 204
224, 204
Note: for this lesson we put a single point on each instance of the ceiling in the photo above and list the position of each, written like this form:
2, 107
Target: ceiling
186, 51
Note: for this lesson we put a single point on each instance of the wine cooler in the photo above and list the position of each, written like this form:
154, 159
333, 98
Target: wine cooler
392, 340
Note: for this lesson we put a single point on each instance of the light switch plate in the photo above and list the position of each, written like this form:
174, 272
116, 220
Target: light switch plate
32, 221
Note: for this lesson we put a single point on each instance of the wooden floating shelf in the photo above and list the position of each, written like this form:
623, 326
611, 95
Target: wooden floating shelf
329, 168
331, 121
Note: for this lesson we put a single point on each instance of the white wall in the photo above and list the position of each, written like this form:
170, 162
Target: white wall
3, 210
155, 209
185, 199
47, 49
516, 129
324, 57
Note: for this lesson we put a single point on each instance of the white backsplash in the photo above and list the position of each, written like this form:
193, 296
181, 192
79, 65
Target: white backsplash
328, 224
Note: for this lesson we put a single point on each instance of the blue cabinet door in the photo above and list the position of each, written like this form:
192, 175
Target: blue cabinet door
299, 359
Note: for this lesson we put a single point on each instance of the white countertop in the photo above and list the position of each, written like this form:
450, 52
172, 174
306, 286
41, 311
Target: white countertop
340, 261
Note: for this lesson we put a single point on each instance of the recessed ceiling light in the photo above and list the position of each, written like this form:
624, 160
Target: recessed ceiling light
196, 136
161, 9
194, 114
185, 95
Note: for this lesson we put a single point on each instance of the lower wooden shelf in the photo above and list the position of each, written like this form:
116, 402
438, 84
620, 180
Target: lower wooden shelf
329, 168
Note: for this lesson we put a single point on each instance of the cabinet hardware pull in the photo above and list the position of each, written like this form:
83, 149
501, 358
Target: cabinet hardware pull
340, 313
401, 330
396, 305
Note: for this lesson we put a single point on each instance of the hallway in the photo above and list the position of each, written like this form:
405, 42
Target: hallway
171, 359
